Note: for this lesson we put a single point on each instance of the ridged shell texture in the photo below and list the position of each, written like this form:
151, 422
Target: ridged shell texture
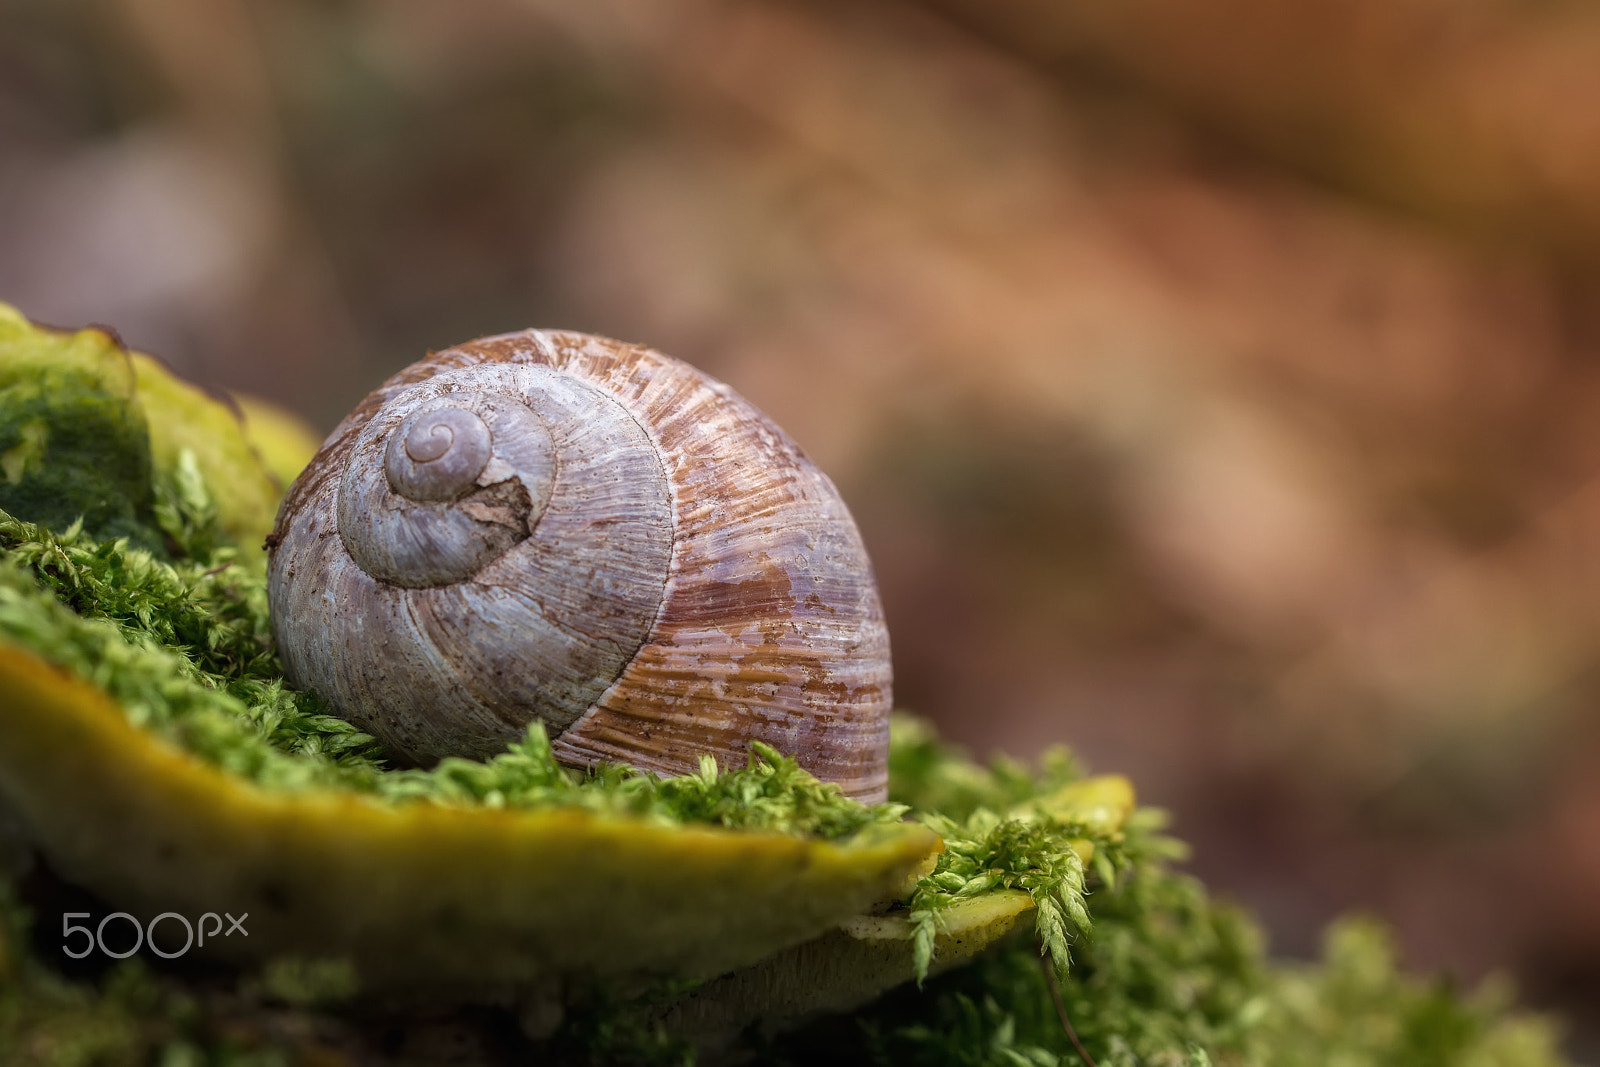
563, 527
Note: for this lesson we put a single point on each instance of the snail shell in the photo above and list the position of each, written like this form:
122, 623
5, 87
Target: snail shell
561, 527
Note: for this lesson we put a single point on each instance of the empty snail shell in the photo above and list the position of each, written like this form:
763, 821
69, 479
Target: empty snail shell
561, 527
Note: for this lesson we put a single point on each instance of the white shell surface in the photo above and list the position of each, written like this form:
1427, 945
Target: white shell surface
718, 543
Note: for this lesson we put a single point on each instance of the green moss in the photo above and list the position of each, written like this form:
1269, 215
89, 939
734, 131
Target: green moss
927, 775
1165, 975
991, 845
94, 435
1172, 979
73, 439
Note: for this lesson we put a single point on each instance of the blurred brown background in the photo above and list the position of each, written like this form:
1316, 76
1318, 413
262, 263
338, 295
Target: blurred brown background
1216, 384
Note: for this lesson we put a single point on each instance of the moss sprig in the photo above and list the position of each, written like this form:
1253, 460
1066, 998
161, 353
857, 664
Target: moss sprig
988, 852
996, 838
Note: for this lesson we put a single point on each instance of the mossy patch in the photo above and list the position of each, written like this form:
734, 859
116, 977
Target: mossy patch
74, 444
111, 441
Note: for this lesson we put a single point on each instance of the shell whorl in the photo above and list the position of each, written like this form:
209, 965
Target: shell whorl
564, 527
437, 453
460, 479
